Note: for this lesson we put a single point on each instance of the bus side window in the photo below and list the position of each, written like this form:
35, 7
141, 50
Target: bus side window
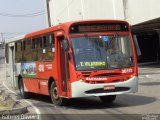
27, 54
40, 49
39, 42
48, 47
15, 46
33, 43
24, 45
21, 45
6, 52
44, 42
34, 49
28, 50
18, 51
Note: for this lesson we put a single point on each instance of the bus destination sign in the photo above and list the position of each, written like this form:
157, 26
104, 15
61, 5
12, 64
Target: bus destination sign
98, 27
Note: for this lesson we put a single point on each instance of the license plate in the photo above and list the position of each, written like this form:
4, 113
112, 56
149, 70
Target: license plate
109, 87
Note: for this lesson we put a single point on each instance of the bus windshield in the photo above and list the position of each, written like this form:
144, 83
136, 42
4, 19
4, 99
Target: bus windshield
102, 52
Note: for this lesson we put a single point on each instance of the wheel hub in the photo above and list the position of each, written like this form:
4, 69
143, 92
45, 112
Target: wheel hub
55, 93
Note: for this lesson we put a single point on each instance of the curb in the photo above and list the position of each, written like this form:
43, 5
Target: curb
10, 99
14, 111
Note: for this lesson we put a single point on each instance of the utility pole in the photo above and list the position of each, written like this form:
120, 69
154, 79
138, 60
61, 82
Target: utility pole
125, 7
47, 10
2, 40
114, 9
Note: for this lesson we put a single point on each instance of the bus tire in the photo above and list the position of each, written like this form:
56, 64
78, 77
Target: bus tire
23, 94
54, 95
107, 99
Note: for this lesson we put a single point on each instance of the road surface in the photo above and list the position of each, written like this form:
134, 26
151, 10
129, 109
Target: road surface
145, 103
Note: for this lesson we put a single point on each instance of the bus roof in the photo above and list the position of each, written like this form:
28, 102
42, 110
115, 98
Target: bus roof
15, 38
65, 26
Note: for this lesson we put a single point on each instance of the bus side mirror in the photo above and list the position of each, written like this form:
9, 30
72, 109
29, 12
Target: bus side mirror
138, 51
65, 45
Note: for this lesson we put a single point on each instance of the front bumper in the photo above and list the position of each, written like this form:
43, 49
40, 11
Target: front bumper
80, 88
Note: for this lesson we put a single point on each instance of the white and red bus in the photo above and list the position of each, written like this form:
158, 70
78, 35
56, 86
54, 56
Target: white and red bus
74, 59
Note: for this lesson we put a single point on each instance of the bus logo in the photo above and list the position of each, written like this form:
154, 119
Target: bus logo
41, 68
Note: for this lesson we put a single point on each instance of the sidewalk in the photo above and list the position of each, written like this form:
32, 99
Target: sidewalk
10, 102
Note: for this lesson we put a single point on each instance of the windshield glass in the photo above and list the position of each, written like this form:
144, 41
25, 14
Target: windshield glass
102, 52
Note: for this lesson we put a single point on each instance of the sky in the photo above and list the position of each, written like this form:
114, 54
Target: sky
21, 16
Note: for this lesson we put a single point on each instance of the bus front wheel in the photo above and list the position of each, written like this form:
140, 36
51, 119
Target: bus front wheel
55, 97
107, 99
23, 94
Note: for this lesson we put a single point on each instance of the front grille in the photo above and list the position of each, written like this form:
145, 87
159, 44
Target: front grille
101, 90
86, 74
105, 77
107, 74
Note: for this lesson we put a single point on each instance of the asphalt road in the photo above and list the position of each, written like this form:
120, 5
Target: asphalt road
144, 103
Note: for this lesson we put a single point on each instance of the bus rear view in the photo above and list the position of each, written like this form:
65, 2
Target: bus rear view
104, 60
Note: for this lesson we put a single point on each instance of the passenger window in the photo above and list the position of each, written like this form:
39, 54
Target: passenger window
39, 41
24, 45
27, 53
28, 44
18, 51
21, 45
48, 40
34, 43
16, 47
40, 49
6, 53
48, 47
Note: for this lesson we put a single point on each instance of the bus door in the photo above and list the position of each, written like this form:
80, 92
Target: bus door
12, 63
63, 69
